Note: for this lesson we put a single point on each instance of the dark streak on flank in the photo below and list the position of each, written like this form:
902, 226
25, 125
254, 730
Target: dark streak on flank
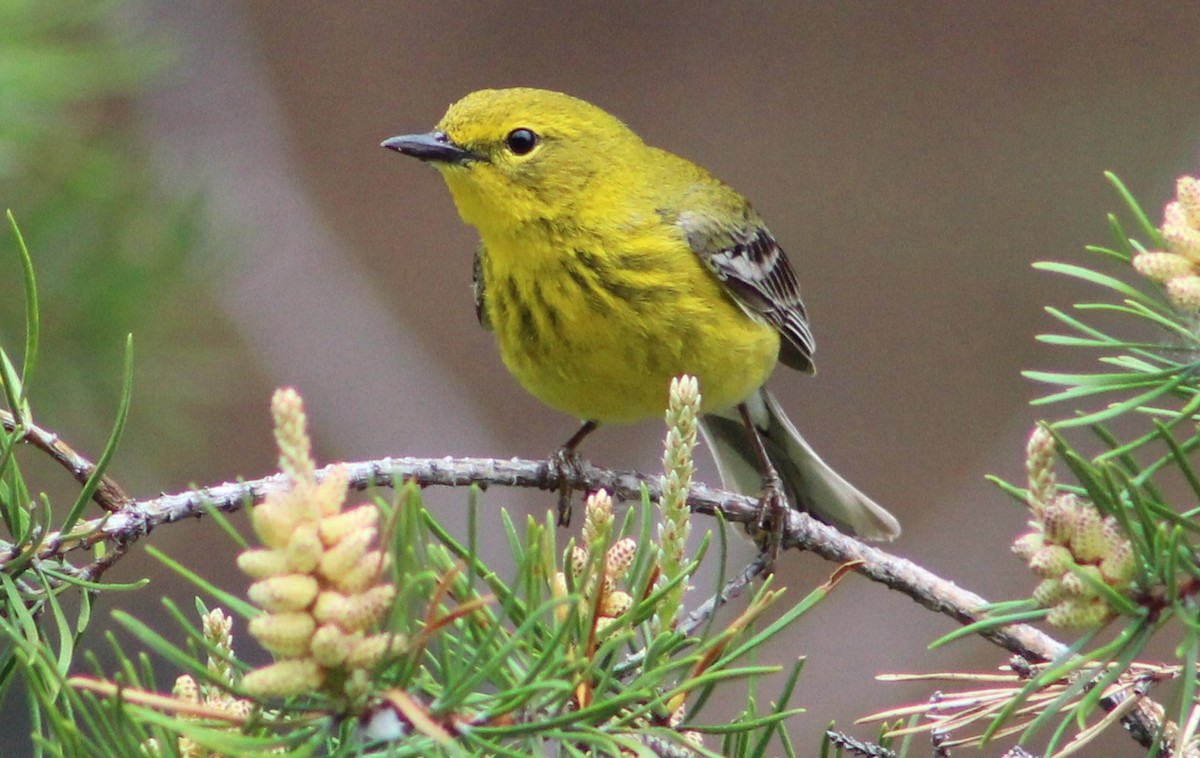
633, 262
529, 328
550, 318
584, 283
636, 296
592, 261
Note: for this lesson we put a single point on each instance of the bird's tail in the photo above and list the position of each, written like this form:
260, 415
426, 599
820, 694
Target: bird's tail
809, 482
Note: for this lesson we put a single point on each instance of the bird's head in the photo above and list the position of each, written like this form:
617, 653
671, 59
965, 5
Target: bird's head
518, 156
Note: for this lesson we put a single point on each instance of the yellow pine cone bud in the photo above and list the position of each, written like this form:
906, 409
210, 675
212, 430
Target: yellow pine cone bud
371, 650
1027, 544
608, 583
1049, 592
1074, 584
243, 709
579, 559
346, 554
335, 528
1182, 238
1119, 567
1162, 267
293, 592
304, 548
218, 629
331, 646
1050, 561
1184, 293
186, 689
1113, 536
274, 521
1058, 521
597, 516
364, 573
284, 678
330, 494
616, 603
1174, 215
1187, 189
353, 612
620, 558
261, 563
677, 716
1087, 539
1039, 466
285, 634
291, 435
1078, 613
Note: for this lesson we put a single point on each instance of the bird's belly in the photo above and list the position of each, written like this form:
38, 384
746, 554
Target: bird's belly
612, 359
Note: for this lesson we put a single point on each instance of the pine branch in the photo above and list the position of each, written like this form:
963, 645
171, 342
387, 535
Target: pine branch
137, 518
108, 494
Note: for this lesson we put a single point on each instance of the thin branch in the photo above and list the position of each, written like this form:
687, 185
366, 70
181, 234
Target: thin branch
108, 494
137, 518
731, 590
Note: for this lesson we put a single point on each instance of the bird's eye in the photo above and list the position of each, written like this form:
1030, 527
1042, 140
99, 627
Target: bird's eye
521, 141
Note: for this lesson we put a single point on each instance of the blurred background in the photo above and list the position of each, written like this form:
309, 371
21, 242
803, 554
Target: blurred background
208, 177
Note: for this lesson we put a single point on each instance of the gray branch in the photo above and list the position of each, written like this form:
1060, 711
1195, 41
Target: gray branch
137, 518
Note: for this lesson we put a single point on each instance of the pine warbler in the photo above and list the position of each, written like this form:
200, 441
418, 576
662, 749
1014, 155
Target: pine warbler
608, 266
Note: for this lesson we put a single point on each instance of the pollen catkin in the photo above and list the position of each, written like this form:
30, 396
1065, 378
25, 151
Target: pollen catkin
1177, 268
319, 581
620, 557
331, 646
1187, 189
1184, 293
335, 528
600, 577
683, 412
1072, 548
598, 517
295, 676
260, 563
279, 594
217, 628
1162, 267
304, 549
363, 574
284, 634
1039, 467
346, 554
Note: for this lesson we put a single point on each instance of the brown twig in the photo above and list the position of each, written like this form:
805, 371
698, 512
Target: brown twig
108, 494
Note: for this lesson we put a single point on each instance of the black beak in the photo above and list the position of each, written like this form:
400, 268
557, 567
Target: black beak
435, 146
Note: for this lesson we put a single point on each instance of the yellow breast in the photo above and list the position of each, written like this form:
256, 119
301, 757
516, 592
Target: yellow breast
599, 333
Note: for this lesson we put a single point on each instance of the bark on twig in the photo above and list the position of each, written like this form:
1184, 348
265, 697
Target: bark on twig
137, 518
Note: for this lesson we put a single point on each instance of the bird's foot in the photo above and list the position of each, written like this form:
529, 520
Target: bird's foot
565, 465
772, 517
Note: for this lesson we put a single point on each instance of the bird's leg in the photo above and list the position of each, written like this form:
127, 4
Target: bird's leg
563, 463
772, 514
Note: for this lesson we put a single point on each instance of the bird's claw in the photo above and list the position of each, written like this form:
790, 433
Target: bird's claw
565, 465
772, 517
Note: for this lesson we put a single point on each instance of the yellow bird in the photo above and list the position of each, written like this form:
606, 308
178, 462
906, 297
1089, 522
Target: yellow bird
607, 267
